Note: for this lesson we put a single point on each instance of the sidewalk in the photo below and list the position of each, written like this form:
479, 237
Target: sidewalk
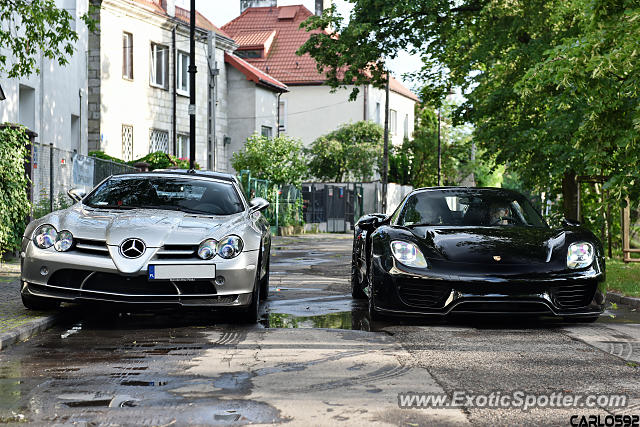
16, 322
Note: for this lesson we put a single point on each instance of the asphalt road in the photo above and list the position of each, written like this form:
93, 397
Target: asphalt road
315, 359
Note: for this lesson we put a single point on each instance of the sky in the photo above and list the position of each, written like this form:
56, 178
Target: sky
222, 11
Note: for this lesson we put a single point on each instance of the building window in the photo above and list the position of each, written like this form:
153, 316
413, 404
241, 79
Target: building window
378, 121
267, 131
183, 73
406, 126
158, 141
282, 116
127, 143
253, 53
127, 56
182, 146
393, 122
159, 65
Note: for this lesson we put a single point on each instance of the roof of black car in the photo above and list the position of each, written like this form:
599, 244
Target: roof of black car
209, 174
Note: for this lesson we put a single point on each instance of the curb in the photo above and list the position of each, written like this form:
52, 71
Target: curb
26, 331
621, 299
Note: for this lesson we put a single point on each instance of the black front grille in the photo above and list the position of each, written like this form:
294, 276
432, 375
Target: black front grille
137, 285
196, 287
574, 294
423, 293
68, 278
93, 247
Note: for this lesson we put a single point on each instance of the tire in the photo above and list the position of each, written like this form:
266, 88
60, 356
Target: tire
252, 313
264, 284
356, 286
582, 319
374, 315
33, 302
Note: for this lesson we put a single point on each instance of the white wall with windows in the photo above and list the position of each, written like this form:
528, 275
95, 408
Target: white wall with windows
54, 102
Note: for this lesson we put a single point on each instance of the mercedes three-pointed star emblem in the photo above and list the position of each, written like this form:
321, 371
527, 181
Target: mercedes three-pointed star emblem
132, 248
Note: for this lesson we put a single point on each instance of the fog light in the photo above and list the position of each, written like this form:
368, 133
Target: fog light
44, 270
220, 280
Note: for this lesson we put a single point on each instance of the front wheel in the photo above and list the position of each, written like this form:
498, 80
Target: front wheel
252, 313
33, 302
356, 286
373, 313
264, 284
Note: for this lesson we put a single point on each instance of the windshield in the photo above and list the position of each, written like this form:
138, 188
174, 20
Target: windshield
197, 196
468, 208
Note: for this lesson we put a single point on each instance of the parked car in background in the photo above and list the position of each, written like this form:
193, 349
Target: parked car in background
162, 238
475, 250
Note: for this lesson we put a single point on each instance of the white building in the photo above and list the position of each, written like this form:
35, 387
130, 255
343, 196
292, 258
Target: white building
54, 102
268, 38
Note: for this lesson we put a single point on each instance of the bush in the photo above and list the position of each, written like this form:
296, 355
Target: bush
14, 203
157, 160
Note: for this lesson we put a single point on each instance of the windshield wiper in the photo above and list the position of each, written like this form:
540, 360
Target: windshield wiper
176, 208
422, 224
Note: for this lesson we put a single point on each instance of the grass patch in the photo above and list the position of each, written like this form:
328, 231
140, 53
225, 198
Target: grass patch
623, 278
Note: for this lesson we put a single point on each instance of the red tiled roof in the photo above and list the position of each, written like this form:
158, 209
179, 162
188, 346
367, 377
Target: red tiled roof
181, 14
281, 61
254, 74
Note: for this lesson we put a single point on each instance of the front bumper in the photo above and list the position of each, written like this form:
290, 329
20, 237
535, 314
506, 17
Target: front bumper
400, 290
80, 277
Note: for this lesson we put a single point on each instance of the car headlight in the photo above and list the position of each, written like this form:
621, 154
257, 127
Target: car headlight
580, 255
64, 241
207, 249
45, 236
408, 254
230, 247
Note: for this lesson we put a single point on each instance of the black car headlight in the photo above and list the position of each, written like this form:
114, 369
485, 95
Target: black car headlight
207, 249
230, 247
45, 236
580, 255
408, 254
64, 241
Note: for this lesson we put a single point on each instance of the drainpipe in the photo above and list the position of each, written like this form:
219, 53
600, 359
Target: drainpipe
366, 99
278, 108
79, 147
173, 94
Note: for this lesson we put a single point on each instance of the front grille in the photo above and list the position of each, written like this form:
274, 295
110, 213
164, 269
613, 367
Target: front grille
89, 246
574, 295
423, 293
197, 287
68, 278
137, 285
177, 252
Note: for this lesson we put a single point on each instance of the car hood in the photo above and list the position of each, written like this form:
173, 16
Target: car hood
153, 226
512, 245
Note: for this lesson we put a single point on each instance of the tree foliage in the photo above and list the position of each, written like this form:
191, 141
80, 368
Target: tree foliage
551, 86
279, 160
29, 28
14, 203
351, 152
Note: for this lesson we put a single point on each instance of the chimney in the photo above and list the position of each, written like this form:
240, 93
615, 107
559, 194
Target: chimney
322, 5
170, 7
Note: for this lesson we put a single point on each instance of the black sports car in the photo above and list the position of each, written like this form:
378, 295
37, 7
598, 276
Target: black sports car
452, 249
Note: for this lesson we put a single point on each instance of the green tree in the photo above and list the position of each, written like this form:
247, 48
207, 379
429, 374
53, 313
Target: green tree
29, 28
551, 86
14, 203
280, 159
350, 152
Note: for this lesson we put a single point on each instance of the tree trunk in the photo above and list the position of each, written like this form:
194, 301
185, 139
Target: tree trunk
570, 195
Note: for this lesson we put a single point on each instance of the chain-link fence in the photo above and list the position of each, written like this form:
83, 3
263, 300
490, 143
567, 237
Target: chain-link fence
285, 202
55, 171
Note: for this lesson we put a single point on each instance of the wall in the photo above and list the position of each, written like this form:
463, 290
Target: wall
55, 92
401, 104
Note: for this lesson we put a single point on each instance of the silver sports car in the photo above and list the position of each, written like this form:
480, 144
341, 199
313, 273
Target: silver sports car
158, 238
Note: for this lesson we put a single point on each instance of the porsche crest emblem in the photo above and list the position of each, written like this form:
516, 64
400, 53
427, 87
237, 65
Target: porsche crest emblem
497, 258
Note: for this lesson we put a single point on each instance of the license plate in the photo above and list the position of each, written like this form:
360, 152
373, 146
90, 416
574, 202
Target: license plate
183, 272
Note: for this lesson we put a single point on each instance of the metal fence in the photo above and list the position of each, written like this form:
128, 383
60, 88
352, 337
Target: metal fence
55, 171
285, 202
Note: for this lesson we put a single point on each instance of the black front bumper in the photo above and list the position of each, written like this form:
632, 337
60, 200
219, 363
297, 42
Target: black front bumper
403, 291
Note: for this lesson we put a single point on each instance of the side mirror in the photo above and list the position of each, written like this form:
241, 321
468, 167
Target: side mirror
372, 221
76, 194
570, 223
258, 204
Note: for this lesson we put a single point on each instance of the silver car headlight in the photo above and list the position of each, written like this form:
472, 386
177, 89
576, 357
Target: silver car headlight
230, 247
580, 255
207, 249
408, 254
64, 241
45, 236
